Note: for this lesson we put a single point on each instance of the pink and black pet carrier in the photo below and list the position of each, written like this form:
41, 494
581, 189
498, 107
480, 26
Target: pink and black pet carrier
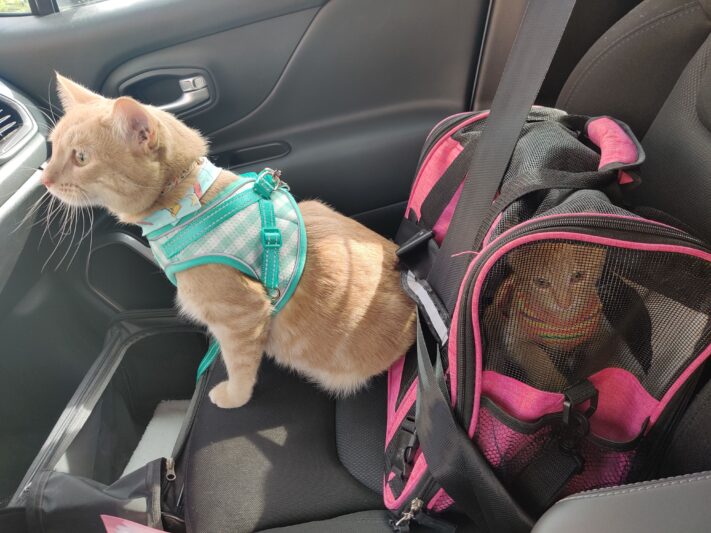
561, 330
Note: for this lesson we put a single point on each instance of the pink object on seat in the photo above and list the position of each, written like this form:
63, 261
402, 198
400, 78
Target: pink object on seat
114, 524
614, 143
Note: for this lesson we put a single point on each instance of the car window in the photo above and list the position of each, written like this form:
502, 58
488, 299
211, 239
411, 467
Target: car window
23, 7
69, 4
15, 7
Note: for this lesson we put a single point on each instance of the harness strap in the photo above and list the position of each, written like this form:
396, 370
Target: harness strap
267, 182
200, 226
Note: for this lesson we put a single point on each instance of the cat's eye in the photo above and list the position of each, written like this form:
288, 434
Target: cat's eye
577, 276
80, 158
541, 283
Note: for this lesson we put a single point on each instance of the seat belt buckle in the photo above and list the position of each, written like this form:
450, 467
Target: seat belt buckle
413, 243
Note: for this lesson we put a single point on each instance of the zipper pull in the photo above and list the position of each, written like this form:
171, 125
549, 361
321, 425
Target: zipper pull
406, 517
170, 469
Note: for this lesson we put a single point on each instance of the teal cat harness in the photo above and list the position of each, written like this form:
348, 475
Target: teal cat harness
254, 225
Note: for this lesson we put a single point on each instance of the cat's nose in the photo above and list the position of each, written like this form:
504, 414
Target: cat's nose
46, 180
564, 301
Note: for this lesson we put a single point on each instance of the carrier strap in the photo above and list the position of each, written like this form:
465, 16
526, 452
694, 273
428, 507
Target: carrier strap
538, 37
453, 459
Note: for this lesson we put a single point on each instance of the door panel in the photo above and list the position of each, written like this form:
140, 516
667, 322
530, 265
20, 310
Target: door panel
243, 64
87, 43
357, 99
339, 94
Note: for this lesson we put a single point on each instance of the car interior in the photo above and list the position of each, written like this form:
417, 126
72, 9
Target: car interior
339, 95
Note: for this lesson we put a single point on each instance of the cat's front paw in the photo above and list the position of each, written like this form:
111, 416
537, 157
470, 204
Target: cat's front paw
225, 396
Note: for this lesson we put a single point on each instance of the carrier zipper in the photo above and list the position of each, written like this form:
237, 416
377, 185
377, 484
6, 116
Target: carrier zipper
408, 515
618, 228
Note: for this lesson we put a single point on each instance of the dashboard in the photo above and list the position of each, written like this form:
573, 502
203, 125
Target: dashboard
23, 150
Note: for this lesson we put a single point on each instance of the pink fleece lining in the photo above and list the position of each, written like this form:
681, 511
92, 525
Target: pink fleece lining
624, 404
518, 399
624, 178
437, 161
614, 143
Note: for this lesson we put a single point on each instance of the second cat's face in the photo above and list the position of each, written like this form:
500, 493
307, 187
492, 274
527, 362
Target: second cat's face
558, 277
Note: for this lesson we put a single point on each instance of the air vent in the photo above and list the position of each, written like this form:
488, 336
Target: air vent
16, 125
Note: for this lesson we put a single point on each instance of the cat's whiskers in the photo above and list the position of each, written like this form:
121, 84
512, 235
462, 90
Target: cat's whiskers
32, 211
50, 213
85, 203
70, 230
61, 209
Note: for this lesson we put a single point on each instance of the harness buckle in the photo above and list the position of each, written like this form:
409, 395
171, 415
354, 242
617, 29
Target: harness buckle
271, 238
267, 182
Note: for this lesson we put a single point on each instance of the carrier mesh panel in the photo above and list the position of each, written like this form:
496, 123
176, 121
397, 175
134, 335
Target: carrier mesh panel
556, 312
510, 451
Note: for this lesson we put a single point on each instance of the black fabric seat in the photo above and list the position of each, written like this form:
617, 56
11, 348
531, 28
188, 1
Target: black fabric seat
296, 460
291, 455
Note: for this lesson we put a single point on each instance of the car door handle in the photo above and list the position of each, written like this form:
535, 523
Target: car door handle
194, 91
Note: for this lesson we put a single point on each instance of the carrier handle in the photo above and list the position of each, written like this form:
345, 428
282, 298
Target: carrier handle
453, 459
618, 146
552, 179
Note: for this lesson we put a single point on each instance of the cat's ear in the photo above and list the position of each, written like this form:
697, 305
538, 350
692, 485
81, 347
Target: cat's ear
71, 93
136, 124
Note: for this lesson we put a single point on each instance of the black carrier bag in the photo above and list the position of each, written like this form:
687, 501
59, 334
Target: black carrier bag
561, 333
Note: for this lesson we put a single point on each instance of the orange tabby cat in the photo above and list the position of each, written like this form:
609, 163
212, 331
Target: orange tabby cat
547, 307
348, 319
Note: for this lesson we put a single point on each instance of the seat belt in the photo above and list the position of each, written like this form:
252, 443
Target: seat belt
537, 39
